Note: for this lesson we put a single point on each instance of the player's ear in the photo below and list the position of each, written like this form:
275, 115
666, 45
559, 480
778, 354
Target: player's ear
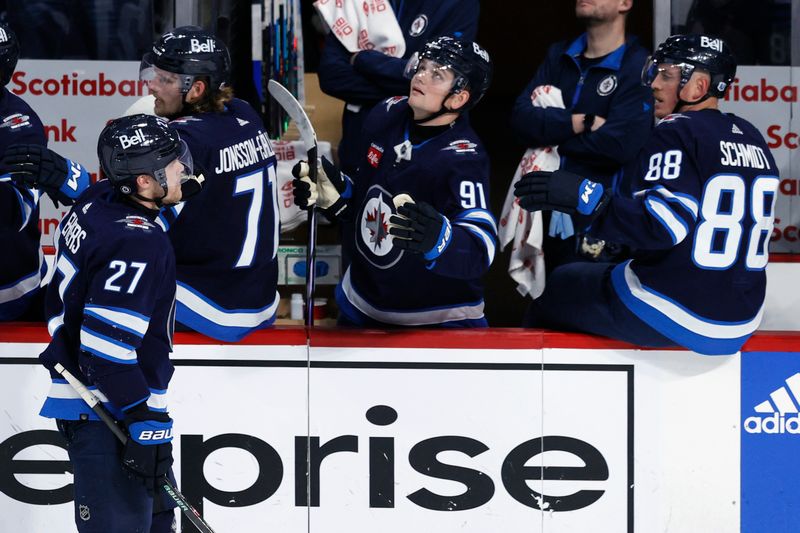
700, 85
143, 181
625, 6
196, 91
458, 100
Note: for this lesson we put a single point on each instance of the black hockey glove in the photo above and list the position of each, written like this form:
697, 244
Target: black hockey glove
560, 191
148, 452
330, 193
36, 166
421, 229
191, 186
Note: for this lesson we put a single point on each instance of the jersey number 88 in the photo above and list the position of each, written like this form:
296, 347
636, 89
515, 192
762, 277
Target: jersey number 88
719, 233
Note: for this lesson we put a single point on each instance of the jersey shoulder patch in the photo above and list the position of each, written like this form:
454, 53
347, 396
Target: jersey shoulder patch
137, 222
673, 118
461, 146
15, 121
389, 102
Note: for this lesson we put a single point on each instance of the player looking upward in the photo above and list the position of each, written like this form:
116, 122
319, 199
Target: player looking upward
418, 203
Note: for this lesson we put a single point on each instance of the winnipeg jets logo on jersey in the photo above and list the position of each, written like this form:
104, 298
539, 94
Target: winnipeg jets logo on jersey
126, 141
16, 121
394, 100
419, 25
372, 238
184, 120
137, 222
461, 146
607, 85
672, 118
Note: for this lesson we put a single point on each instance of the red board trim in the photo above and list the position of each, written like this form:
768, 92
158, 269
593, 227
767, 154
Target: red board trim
489, 338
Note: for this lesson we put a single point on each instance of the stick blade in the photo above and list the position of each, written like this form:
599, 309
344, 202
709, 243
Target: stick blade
293, 108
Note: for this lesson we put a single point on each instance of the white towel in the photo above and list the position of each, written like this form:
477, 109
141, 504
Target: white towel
364, 25
524, 228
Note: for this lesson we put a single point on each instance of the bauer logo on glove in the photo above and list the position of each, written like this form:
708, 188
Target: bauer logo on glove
419, 228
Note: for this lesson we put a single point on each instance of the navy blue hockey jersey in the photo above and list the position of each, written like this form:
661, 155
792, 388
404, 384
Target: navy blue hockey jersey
702, 215
449, 171
22, 265
110, 306
226, 237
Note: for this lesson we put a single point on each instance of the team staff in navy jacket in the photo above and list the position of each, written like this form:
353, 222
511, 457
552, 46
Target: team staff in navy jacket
608, 113
368, 77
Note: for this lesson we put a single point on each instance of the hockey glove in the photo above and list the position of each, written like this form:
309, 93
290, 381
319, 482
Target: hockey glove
36, 166
330, 193
560, 191
191, 185
148, 452
421, 229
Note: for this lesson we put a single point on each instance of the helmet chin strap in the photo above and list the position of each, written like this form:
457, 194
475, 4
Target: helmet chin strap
158, 201
681, 103
442, 111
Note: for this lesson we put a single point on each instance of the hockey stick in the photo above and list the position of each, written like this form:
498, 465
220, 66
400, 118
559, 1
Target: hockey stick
94, 403
293, 108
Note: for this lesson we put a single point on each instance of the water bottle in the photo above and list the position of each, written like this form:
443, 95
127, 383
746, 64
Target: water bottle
296, 306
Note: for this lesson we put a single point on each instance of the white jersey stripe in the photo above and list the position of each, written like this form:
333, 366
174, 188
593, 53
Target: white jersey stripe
127, 320
410, 318
685, 319
235, 319
482, 234
106, 349
676, 227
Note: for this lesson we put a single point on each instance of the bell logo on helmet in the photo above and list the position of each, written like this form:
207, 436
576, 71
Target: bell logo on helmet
206, 46
480, 51
708, 42
127, 141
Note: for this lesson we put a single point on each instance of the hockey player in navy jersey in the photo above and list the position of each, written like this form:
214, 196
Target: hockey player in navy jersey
110, 309
22, 266
418, 203
226, 238
701, 216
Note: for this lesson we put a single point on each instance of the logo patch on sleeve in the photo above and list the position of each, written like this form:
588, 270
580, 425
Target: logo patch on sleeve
137, 222
462, 146
374, 155
394, 100
16, 121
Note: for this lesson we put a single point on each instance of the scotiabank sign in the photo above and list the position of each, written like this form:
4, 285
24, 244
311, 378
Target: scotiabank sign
77, 83
74, 100
768, 97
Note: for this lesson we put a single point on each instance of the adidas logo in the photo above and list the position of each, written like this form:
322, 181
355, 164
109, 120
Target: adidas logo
735, 129
779, 414
245, 122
